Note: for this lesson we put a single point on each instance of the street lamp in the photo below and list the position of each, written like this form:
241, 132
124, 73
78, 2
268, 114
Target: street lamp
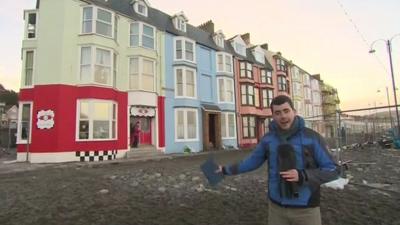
389, 49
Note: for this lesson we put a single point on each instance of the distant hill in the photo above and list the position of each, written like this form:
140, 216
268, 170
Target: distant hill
2, 89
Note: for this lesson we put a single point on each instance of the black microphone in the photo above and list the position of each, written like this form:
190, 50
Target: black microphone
287, 161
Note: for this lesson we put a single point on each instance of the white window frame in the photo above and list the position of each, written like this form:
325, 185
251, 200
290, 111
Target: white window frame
183, 41
219, 40
24, 68
140, 72
180, 23
93, 51
185, 124
91, 110
94, 19
136, 8
225, 63
141, 34
225, 91
184, 69
26, 15
19, 128
226, 125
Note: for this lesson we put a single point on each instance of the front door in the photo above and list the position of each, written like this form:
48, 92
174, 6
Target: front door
145, 130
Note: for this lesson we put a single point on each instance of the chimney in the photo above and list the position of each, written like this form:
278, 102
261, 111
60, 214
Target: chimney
207, 26
246, 38
316, 76
264, 46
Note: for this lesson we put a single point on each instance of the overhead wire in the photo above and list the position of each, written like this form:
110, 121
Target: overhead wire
361, 35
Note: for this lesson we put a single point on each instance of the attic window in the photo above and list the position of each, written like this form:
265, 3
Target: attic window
259, 56
180, 24
141, 8
219, 40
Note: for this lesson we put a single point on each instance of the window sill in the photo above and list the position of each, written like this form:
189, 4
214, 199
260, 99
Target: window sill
186, 140
93, 140
96, 34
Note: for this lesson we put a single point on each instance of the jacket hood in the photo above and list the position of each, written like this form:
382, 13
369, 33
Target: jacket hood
273, 126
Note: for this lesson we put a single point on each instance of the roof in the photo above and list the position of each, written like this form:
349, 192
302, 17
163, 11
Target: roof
164, 23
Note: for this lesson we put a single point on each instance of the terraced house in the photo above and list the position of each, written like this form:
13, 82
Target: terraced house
93, 72
90, 69
255, 90
199, 90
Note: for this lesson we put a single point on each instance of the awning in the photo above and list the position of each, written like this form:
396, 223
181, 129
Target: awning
142, 111
210, 108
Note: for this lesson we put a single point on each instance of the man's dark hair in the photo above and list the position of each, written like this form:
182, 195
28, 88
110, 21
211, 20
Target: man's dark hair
279, 100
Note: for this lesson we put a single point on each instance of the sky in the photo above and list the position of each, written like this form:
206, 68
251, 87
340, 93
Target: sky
331, 38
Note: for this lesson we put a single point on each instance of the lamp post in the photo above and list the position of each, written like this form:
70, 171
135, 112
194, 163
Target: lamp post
389, 108
389, 49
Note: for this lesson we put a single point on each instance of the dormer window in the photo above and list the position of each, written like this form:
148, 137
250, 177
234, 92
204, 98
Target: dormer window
259, 57
239, 48
180, 21
141, 7
239, 45
219, 39
181, 24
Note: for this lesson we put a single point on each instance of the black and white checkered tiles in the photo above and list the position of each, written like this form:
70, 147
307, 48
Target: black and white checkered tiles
92, 156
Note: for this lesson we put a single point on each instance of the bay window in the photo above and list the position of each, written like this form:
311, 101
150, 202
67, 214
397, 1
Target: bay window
184, 49
97, 120
186, 123
247, 93
142, 35
225, 90
267, 95
282, 86
228, 125
97, 20
249, 126
96, 65
141, 74
246, 70
185, 82
224, 62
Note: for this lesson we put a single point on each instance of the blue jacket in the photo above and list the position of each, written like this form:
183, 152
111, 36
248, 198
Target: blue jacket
313, 162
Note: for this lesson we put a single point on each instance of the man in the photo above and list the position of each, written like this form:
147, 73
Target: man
298, 163
136, 134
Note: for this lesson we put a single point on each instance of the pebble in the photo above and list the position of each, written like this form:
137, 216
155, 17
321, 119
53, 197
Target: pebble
103, 191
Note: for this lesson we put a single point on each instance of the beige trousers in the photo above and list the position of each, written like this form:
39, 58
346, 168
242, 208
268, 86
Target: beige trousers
278, 215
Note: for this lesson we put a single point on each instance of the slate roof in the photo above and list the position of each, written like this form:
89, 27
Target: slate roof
163, 22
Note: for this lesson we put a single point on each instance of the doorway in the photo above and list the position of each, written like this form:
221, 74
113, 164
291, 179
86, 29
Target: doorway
145, 129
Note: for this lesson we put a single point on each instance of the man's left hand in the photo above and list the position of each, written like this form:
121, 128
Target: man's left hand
290, 175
